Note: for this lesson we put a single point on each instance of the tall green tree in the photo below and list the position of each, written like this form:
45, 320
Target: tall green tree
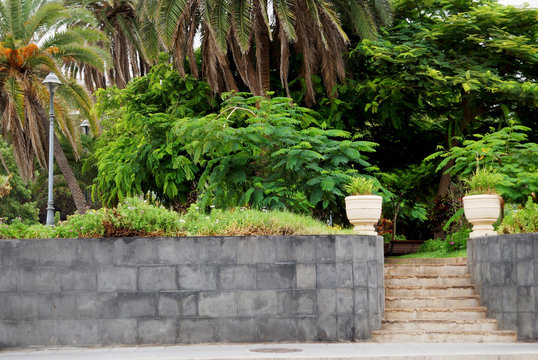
453, 65
38, 36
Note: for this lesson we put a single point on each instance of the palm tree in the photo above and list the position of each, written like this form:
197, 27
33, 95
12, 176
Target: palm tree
243, 31
38, 36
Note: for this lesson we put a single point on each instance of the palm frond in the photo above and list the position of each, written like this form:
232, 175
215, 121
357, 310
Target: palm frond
362, 19
242, 19
170, 12
219, 19
46, 15
384, 10
286, 17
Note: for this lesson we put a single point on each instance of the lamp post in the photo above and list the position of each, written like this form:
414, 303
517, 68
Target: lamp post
85, 127
52, 82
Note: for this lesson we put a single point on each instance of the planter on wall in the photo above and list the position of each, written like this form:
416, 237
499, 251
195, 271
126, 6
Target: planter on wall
364, 211
482, 211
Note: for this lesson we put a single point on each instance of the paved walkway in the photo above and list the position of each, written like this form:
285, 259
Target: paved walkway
345, 351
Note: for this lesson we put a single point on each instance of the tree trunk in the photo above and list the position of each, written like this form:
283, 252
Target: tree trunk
394, 218
444, 182
63, 164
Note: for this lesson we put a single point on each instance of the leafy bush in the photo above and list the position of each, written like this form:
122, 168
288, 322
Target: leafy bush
523, 220
359, 185
432, 245
483, 182
135, 217
457, 241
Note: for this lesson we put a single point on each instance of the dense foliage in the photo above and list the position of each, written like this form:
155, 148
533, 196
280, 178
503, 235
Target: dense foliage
252, 151
522, 220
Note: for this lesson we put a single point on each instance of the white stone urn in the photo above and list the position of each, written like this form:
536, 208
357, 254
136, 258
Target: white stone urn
364, 211
482, 211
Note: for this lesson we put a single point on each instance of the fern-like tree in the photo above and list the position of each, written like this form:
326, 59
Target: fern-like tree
246, 36
38, 36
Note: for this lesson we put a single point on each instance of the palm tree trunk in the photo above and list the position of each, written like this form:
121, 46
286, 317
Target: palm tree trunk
63, 164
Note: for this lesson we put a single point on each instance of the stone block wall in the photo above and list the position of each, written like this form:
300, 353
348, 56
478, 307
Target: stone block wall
190, 290
504, 269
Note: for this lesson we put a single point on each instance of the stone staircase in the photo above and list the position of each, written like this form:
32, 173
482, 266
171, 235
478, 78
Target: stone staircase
433, 300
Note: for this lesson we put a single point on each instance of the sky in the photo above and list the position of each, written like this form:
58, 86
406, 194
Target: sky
532, 3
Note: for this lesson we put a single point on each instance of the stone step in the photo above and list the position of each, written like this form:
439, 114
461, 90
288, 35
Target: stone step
429, 261
443, 336
426, 313
455, 302
440, 325
442, 290
419, 269
427, 280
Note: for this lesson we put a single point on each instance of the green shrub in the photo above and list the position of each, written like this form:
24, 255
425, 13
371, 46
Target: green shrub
457, 240
432, 245
524, 220
135, 217
483, 182
361, 186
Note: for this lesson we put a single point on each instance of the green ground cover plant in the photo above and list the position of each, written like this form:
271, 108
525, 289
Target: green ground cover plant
522, 220
135, 217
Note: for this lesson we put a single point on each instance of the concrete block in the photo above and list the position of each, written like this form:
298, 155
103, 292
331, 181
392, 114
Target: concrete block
77, 332
217, 304
9, 253
509, 321
237, 277
360, 306
284, 249
525, 299
169, 250
275, 276
8, 279
325, 249
525, 326
525, 272
508, 250
221, 250
57, 306
135, 251
372, 248
362, 327
306, 276
256, 250
237, 330
343, 248
344, 301
509, 273
496, 277
117, 278
296, 302
372, 274
178, 304
509, 299
74, 278
98, 305
27, 253
326, 276
344, 275
157, 278
9, 333
117, 332
360, 249
38, 279
304, 249
307, 328
255, 303
157, 331
485, 274
494, 249
326, 328
19, 306
345, 328
95, 252
197, 277
277, 329
360, 274
198, 331
136, 305
326, 301
374, 322
492, 298
373, 304
56, 251
525, 249
38, 332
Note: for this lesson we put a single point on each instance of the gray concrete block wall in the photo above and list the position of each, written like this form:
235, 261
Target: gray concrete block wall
77, 292
504, 269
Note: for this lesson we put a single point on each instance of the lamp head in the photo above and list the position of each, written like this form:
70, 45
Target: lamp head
85, 125
52, 82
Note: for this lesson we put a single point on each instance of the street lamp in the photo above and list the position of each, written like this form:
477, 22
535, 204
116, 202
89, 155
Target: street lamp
85, 127
52, 82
